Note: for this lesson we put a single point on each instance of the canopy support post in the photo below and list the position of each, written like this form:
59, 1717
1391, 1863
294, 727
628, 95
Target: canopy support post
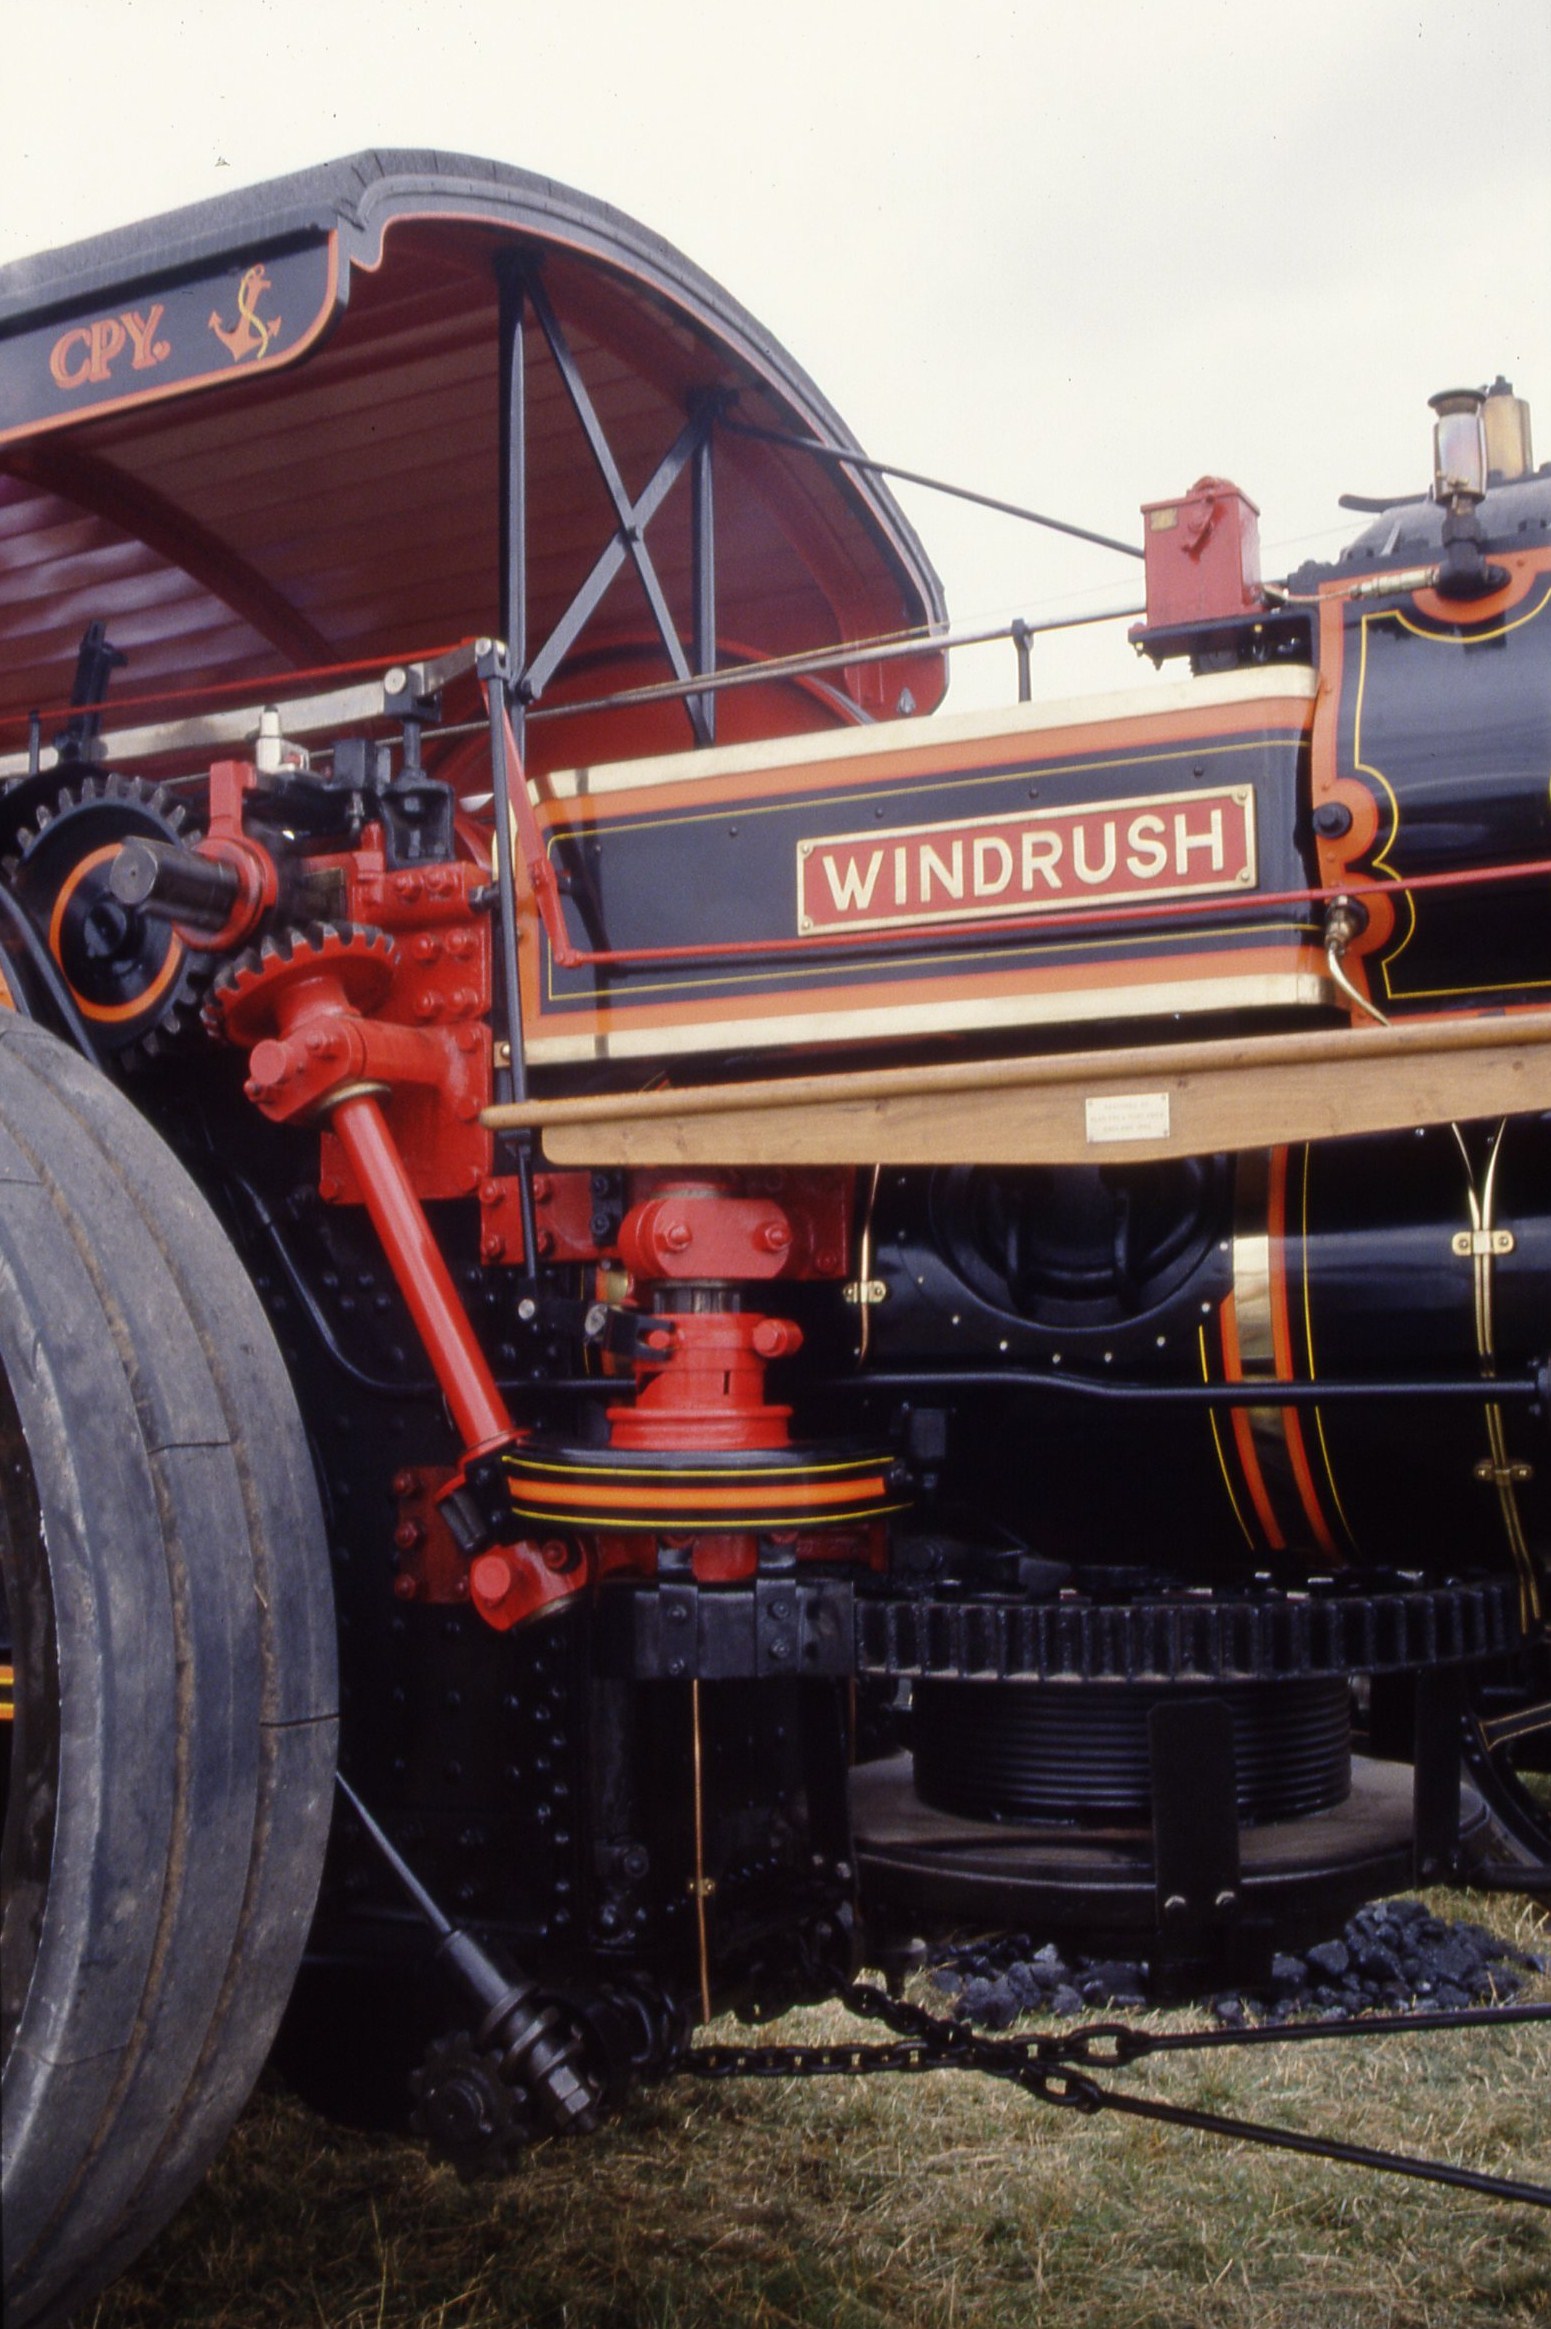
704, 410
514, 493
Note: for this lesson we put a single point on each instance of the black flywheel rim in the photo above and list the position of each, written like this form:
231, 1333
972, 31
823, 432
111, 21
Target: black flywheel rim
130, 975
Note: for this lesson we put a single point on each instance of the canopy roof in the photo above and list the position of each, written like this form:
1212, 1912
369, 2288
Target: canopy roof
265, 434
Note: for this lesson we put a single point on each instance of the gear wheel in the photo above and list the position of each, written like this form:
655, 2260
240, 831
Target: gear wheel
133, 979
242, 1006
466, 2111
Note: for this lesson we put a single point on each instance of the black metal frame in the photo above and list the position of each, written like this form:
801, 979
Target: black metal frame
522, 291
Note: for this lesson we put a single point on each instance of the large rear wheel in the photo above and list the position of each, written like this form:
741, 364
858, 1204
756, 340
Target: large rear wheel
171, 1756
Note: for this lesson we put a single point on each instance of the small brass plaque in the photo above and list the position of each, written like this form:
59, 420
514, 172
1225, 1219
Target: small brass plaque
1127, 1116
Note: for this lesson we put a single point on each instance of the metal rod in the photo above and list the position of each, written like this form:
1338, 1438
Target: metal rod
819, 659
479, 1413
631, 526
1262, 1391
1091, 2098
703, 518
700, 1874
1020, 638
514, 481
535, 676
513, 1075
347, 707
435, 1917
1133, 2045
858, 460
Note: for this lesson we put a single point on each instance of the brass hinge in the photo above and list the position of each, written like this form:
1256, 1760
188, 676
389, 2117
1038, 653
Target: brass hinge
1503, 1475
865, 1292
1468, 1243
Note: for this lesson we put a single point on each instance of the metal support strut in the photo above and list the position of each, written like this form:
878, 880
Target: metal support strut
537, 2052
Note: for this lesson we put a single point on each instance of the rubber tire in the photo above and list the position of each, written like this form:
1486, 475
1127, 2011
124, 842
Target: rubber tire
179, 1588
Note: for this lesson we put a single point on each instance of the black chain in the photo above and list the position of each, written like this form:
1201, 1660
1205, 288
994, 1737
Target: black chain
1056, 2067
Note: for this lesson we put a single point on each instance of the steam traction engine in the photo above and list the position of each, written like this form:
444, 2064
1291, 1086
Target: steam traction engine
856, 1326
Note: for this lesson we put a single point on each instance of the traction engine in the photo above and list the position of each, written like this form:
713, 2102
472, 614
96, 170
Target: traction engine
860, 1327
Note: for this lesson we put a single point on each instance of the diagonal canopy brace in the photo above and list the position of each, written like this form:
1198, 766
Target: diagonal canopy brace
633, 517
638, 514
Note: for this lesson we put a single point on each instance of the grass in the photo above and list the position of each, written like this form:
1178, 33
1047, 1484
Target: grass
938, 2202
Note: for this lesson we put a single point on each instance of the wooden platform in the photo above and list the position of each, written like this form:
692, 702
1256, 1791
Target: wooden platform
1185, 1099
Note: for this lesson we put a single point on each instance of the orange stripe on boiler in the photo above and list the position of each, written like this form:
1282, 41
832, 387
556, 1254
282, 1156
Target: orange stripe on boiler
802, 1495
1282, 1349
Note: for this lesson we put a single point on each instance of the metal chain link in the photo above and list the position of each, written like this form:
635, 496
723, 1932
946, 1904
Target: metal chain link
1054, 2066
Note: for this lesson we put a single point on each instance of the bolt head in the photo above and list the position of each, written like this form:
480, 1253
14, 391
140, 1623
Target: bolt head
490, 1578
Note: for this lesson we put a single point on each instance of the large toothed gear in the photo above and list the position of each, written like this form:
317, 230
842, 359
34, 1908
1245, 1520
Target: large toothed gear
135, 982
244, 1003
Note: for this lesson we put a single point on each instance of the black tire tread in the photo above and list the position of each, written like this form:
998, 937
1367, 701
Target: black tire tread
190, 1409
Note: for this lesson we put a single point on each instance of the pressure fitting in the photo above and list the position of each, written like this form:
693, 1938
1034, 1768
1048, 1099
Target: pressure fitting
706, 1390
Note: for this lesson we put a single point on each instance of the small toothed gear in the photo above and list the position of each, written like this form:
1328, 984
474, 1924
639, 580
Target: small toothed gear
466, 2111
135, 982
242, 1005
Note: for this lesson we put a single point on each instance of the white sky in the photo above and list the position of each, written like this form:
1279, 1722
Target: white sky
1073, 255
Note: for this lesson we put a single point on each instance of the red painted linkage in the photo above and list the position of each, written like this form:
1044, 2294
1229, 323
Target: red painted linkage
312, 1047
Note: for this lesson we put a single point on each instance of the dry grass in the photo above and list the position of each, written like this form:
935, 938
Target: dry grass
940, 2202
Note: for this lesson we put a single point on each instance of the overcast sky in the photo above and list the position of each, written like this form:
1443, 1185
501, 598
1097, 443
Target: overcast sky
1072, 255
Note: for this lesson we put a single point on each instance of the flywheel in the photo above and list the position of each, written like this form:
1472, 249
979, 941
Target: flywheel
132, 978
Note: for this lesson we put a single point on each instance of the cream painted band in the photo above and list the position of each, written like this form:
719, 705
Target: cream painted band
886, 739
955, 1014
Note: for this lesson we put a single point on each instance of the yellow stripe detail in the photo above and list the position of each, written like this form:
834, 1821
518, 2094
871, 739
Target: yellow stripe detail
1222, 1460
1308, 1336
731, 1477
712, 1524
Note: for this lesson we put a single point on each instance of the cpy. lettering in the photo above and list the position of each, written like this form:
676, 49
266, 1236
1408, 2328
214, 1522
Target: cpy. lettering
85, 356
